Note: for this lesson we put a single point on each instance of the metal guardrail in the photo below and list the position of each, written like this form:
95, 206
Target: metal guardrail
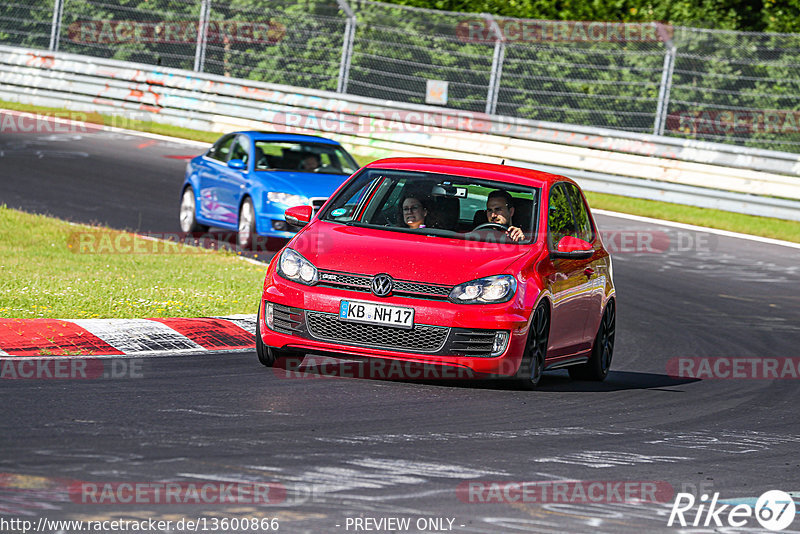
738, 179
647, 77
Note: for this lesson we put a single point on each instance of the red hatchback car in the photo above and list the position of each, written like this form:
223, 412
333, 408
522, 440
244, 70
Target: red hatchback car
491, 269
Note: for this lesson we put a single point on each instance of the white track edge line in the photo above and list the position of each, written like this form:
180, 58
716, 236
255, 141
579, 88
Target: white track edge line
684, 226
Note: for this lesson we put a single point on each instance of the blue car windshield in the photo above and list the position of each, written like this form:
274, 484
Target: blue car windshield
303, 157
436, 204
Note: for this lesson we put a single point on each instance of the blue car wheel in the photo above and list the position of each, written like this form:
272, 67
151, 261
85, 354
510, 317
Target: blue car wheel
188, 213
247, 225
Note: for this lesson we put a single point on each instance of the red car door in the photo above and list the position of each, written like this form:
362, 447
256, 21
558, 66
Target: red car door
596, 269
571, 281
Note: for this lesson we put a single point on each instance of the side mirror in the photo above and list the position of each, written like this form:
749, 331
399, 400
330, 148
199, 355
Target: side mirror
237, 164
298, 215
572, 248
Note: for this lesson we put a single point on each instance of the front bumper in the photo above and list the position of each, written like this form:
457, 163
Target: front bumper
444, 334
274, 225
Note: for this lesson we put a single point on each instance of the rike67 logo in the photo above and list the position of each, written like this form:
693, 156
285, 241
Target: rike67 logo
774, 510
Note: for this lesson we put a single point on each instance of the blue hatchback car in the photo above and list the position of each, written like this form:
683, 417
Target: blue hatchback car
246, 180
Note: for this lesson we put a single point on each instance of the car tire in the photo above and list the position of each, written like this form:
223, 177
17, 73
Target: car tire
596, 369
188, 213
533, 359
247, 225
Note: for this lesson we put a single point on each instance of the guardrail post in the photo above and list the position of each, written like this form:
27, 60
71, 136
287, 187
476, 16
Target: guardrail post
202, 36
55, 28
347, 46
497, 64
664, 89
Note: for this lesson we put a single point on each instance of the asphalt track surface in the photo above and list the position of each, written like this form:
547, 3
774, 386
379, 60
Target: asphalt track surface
345, 448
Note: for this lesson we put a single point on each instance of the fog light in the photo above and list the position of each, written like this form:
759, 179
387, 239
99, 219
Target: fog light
269, 314
500, 343
280, 226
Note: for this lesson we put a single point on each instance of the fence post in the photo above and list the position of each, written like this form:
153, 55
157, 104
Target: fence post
202, 36
497, 64
55, 28
347, 46
665, 88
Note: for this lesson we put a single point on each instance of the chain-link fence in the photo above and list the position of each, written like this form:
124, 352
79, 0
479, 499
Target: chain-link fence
735, 87
738, 87
396, 51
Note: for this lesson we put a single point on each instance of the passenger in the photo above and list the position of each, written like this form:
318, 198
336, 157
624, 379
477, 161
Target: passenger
500, 210
414, 211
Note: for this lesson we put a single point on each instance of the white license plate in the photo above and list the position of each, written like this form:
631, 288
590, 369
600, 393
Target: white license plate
367, 312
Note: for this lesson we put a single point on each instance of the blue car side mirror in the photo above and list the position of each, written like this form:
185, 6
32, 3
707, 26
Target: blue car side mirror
237, 164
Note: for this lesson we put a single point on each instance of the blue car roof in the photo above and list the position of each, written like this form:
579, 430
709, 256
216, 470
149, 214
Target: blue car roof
291, 138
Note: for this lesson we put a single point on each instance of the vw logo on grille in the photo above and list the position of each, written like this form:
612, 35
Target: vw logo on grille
382, 285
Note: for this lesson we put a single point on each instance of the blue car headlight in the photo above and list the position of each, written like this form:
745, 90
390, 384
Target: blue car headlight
287, 199
488, 290
294, 267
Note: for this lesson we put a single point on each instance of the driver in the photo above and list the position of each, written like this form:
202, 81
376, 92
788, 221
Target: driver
310, 162
500, 210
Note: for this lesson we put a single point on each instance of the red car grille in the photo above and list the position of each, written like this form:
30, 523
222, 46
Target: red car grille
287, 320
363, 282
421, 338
477, 343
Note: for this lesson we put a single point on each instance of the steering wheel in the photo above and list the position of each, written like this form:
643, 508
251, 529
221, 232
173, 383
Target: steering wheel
491, 226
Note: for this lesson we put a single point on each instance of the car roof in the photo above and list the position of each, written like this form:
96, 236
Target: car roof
472, 169
292, 138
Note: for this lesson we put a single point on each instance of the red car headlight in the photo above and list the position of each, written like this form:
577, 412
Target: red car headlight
293, 266
488, 290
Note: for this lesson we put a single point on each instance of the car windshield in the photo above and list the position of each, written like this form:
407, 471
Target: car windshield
303, 157
439, 205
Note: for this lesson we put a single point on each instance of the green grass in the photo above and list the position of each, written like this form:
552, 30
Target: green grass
44, 274
723, 220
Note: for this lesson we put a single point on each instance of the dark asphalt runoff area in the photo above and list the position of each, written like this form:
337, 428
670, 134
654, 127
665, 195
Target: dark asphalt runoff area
124, 181
364, 455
